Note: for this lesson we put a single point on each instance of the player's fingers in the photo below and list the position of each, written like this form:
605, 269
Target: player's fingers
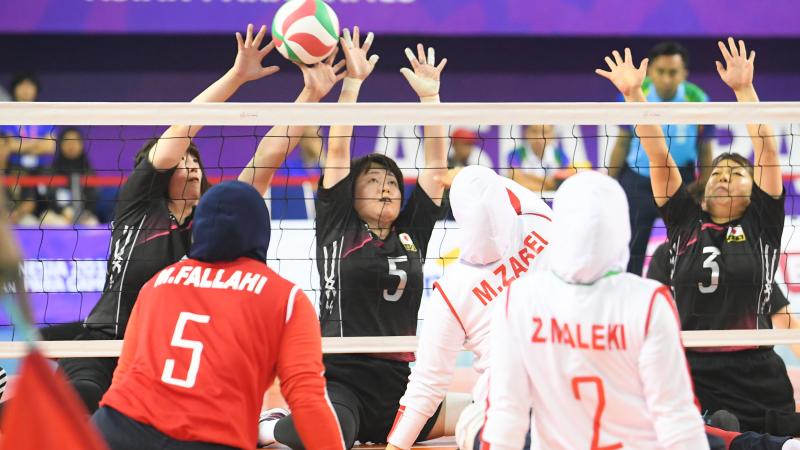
260, 36
720, 69
348, 40
239, 41
628, 56
268, 48
603, 73
742, 49
643, 65
421, 53
732, 46
340, 76
339, 66
610, 62
725, 53
373, 60
431, 59
408, 74
267, 71
441, 65
752, 57
332, 56
411, 58
356, 37
368, 42
248, 40
617, 57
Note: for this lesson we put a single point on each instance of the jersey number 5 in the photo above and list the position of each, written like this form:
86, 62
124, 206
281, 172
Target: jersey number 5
393, 270
195, 346
598, 413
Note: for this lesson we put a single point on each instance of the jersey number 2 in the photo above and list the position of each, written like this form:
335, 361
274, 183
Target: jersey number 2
195, 346
598, 413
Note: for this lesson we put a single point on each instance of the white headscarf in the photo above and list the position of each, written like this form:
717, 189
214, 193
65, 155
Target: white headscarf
484, 213
591, 229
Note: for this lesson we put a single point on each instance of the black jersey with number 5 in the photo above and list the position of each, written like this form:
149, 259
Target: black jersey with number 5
369, 286
722, 274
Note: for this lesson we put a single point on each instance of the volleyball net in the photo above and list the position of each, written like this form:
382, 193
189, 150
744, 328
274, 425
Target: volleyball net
62, 212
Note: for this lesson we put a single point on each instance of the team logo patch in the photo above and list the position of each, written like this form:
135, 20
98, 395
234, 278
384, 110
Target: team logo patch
405, 239
735, 234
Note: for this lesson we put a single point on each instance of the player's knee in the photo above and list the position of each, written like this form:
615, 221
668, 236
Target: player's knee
90, 392
348, 422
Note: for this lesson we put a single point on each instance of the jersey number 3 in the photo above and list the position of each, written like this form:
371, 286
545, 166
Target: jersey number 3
711, 264
598, 413
195, 346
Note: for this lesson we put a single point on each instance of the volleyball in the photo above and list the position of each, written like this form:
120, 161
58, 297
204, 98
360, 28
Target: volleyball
305, 31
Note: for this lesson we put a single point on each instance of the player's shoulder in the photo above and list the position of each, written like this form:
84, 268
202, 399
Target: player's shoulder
694, 93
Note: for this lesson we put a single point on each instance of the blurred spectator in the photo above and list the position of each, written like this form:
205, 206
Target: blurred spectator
24, 150
689, 145
73, 203
463, 150
29, 144
540, 163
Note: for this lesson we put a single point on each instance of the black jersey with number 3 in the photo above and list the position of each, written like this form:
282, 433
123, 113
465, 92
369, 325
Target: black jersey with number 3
722, 274
370, 287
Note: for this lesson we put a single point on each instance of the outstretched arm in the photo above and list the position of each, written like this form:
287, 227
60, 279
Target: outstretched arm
665, 178
359, 67
738, 75
281, 140
425, 79
247, 67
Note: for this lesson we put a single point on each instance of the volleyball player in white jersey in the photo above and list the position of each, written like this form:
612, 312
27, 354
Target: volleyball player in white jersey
503, 229
595, 352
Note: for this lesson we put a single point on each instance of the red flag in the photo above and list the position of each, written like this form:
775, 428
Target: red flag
46, 413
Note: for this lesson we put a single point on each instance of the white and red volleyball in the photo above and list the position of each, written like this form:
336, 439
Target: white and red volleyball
305, 31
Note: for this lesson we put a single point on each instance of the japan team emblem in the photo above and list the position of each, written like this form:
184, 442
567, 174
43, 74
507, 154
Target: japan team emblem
405, 239
735, 234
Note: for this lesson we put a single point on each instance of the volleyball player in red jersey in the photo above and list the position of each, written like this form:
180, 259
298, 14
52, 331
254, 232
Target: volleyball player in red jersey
207, 337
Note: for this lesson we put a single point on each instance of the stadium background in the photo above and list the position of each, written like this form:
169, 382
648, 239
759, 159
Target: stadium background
499, 50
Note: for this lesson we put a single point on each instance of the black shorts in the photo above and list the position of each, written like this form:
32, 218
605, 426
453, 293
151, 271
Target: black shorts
753, 385
123, 433
371, 388
98, 371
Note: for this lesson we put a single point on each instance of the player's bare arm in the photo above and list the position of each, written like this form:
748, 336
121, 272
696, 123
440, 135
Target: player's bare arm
737, 73
359, 67
246, 67
425, 79
627, 78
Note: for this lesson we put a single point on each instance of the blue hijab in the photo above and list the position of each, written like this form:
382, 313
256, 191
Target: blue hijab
231, 221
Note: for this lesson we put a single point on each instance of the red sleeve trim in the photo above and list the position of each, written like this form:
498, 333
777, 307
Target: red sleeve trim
450, 305
512, 197
664, 293
397, 417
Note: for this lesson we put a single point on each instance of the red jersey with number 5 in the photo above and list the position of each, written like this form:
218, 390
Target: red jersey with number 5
206, 340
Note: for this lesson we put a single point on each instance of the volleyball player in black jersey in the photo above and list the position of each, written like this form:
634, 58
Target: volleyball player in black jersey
152, 224
370, 252
723, 254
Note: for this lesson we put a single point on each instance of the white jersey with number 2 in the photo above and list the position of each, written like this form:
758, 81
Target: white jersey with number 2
595, 354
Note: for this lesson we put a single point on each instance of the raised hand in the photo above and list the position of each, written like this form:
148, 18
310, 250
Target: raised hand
625, 76
359, 67
320, 78
738, 70
424, 79
247, 66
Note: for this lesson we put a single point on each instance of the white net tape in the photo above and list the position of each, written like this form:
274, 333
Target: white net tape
382, 114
